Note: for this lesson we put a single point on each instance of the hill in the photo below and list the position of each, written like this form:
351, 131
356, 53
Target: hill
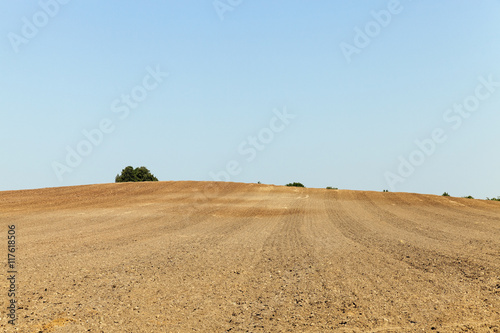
231, 257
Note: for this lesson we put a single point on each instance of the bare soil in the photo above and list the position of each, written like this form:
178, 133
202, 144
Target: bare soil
230, 257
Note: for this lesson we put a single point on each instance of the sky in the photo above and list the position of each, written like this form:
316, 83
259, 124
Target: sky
362, 95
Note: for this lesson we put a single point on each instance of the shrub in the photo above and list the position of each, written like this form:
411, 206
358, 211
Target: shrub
385, 191
494, 199
295, 184
469, 197
445, 194
141, 174
331, 188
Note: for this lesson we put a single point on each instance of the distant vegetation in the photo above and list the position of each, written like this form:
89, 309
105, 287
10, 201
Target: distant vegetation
331, 188
295, 184
141, 174
445, 194
385, 191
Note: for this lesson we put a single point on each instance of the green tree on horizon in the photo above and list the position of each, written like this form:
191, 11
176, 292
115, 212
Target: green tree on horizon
140, 174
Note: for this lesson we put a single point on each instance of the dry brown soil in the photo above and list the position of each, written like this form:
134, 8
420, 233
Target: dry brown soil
230, 257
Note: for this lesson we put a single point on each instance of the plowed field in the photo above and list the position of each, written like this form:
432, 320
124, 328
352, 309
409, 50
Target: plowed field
230, 257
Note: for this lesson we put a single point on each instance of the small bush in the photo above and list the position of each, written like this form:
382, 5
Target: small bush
494, 199
331, 188
469, 197
385, 191
295, 184
445, 194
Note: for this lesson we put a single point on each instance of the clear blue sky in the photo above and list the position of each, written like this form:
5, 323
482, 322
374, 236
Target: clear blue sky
65, 67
